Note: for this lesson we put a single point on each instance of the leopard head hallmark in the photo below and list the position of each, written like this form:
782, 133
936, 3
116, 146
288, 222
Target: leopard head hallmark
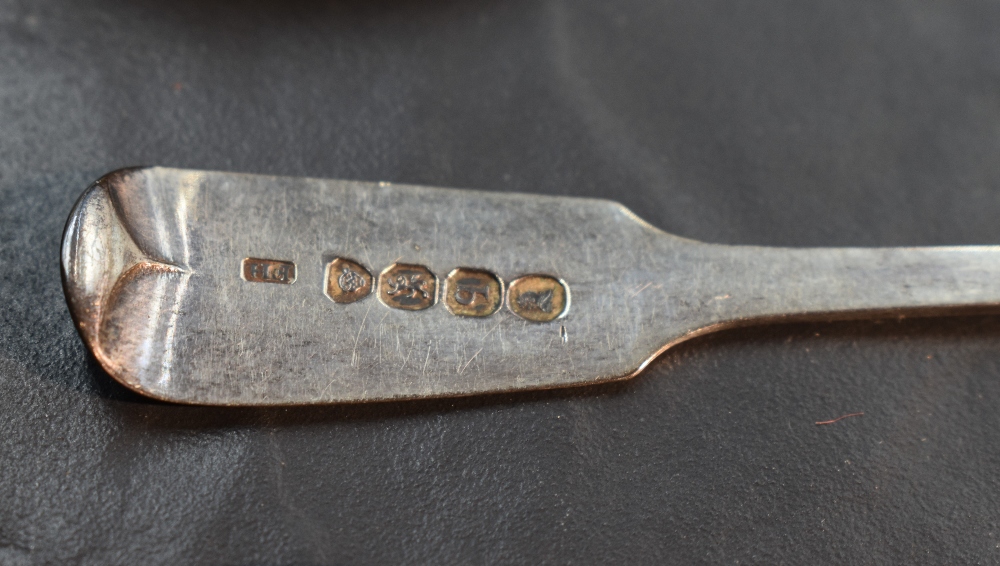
347, 281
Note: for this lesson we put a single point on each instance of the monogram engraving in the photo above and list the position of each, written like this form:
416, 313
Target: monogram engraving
268, 271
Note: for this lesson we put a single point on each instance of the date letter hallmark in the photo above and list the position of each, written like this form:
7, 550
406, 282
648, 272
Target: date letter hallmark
268, 271
408, 287
471, 292
538, 298
347, 281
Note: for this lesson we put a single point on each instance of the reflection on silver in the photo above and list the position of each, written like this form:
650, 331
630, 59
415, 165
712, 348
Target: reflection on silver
150, 271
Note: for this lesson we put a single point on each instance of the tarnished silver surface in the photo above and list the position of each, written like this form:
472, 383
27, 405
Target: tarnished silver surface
153, 258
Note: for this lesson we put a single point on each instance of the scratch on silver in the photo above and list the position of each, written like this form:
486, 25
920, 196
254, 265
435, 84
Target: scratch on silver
149, 260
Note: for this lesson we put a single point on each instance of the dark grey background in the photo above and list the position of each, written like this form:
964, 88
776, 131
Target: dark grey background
783, 123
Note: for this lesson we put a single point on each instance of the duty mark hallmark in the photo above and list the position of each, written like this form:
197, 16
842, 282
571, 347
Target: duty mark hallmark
538, 298
408, 287
347, 281
258, 270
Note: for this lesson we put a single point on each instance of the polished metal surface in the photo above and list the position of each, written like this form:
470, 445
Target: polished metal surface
169, 276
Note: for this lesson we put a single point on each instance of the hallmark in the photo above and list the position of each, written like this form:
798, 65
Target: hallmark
268, 271
540, 301
408, 287
538, 298
347, 281
472, 292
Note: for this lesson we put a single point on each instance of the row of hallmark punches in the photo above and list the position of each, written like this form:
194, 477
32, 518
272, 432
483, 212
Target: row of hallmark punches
466, 292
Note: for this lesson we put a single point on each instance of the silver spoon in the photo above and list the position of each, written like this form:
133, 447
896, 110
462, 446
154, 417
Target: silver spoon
227, 289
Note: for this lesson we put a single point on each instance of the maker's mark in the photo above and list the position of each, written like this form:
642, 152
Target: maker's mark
258, 270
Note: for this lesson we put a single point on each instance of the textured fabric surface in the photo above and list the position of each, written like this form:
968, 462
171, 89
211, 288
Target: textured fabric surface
782, 123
